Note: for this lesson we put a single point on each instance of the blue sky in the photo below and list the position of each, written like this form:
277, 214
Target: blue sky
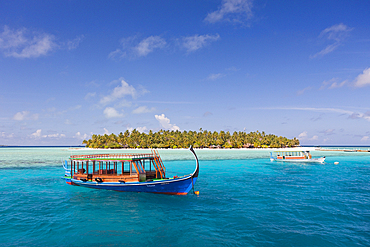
70, 69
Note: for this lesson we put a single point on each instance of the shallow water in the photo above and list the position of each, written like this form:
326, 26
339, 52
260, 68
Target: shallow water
245, 200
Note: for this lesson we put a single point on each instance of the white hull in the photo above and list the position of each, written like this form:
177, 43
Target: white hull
318, 160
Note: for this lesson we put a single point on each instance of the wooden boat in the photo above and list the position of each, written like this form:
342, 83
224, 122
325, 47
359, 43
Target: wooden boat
127, 172
295, 156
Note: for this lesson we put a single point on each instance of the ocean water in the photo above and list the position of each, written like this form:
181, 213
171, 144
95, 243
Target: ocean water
244, 200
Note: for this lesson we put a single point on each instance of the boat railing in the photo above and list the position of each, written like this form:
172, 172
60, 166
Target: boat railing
111, 156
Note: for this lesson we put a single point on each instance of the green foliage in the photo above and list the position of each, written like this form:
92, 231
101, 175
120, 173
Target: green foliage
178, 139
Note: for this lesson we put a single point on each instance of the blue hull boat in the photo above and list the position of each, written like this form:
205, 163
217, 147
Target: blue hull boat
127, 173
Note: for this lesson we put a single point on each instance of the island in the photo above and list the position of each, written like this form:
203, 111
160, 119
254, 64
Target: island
184, 139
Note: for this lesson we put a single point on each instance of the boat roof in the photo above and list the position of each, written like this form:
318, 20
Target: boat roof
113, 157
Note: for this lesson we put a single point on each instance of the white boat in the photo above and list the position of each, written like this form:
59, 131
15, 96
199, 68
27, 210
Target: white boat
295, 156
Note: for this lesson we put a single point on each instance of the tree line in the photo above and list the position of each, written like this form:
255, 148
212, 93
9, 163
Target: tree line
183, 139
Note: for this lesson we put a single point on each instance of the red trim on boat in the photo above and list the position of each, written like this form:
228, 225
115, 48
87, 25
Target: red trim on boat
171, 193
294, 157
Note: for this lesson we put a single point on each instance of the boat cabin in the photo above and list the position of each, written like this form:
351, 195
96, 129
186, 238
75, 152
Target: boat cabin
281, 155
117, 167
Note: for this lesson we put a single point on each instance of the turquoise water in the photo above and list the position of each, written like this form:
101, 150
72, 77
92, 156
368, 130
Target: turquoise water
245, 200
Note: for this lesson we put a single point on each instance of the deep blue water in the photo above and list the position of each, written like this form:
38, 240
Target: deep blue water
247, 201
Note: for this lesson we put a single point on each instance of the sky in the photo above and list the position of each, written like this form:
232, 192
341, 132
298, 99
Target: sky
70, 69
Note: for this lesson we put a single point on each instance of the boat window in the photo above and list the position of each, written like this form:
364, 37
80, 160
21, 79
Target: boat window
118, 167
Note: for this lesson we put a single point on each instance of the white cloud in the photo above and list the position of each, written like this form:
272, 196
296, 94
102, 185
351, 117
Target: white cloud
327, 50
25, 115
303, 90
73, 44
332, 83
93, 84
12, 39
303, 135
116, 53
143, 109
119, 92
78, 135
328, 132
106, 132
213, 77
365, 138
336, 33
232, 10
37, 134
140, 129
357, 115
22, 43
4, 135
363, 79
54, 136
127, 48
117, 96
110, 112
165, 122
19, 116
314, 138
147, 45
132, 48
90, 95
337, 85
193, 43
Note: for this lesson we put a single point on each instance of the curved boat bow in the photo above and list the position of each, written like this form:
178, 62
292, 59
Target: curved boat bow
196, 171
194, 176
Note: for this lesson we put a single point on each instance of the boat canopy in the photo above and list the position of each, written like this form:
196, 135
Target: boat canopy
296, 154
292, 153
130, 167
